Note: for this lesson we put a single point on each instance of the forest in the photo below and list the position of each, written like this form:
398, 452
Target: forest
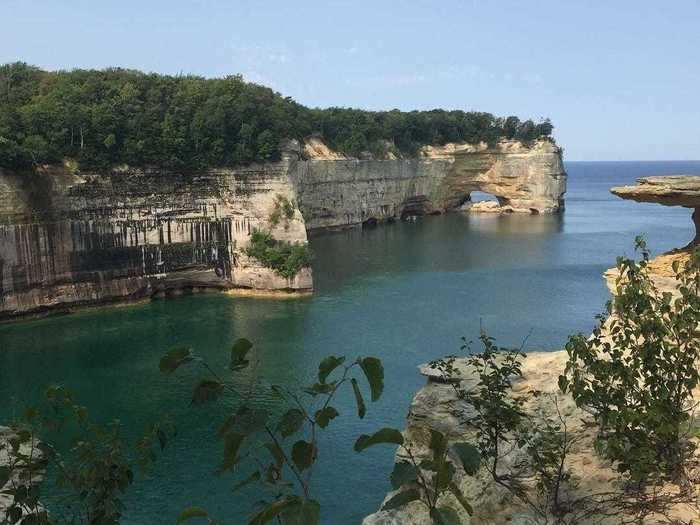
103, 118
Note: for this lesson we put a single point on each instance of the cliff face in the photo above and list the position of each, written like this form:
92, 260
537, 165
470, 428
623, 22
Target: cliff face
336, 192
67, 240
70, 239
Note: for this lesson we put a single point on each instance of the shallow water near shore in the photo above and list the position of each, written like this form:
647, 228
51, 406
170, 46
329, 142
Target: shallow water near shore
404, 292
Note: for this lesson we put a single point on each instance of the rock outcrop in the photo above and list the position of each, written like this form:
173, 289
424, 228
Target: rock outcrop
76, 239
17, 470
70, 238
672, 190
339, 192
594, 480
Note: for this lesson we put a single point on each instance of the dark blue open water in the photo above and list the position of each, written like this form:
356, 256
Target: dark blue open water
404, 292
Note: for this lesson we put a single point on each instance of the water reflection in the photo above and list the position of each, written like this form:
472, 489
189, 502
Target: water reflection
515, 224
455, 242
404, 292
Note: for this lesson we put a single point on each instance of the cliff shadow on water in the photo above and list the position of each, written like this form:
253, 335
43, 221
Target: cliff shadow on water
453, 242
70, 238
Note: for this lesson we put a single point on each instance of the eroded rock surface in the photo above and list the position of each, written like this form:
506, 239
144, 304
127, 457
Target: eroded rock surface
337, 192
671, 190
434, 407
70, 238
22, 472
75, 239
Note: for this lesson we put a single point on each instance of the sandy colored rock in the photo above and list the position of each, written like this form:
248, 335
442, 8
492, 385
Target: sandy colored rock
660, 271
70, 238
20, 475
343, 193
671, 190
316, 149
433, 407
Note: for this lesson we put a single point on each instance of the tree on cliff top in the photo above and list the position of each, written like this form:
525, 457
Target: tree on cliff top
116, 116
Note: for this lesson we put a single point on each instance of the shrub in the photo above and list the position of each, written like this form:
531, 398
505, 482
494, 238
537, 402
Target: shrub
284, 258
638, 370
92, 465
283, 208
256, 442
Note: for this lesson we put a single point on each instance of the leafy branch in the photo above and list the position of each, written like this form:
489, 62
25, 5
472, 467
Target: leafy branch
256, 437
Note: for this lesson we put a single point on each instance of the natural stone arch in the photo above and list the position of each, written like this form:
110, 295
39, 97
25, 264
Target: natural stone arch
523, 179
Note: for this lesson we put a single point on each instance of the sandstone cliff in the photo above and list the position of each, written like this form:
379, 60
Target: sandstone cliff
68, 240
337, 192
71, 238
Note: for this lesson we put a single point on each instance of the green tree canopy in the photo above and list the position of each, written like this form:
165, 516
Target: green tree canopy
119, 116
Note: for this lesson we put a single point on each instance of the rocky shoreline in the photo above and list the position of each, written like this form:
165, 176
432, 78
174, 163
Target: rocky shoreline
436, 404
20, 471
70, 238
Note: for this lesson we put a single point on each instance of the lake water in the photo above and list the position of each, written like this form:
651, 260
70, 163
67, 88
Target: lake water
404, 292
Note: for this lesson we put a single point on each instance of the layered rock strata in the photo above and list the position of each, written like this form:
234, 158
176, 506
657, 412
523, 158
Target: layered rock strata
671, 190
339, 192
435, 405
70, 238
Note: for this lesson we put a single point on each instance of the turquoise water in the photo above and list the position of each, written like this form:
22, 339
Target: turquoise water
404, 292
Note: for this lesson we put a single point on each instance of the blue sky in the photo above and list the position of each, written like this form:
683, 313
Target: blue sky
620, 79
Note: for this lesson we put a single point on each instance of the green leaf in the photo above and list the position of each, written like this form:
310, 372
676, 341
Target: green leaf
162, 440
320, 388
172, 360
303, 454
404, 472
306, 512
276, 453
438, 444
401, 499
239, 350
290, 422
273, 510
5, 473
207, 390
232, 445
444, 516
250, 420
361, 409
385, 435
460, 497
324, 416
469, 457
192, 512
327, 366
563, 383
255, 476
374, 372
444, 473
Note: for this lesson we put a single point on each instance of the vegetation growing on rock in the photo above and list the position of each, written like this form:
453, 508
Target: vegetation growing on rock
639, 370
283, 209
117, 116
283, 257
636, 377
